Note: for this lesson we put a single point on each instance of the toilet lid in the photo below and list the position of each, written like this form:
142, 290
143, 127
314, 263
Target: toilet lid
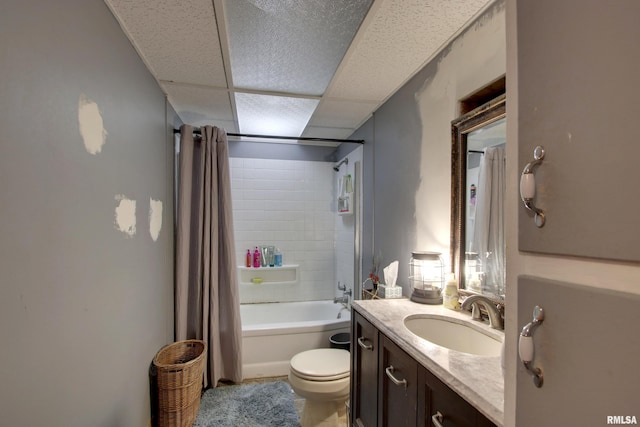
322, 364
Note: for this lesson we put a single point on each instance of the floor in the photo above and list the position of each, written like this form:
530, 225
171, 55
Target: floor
297, 400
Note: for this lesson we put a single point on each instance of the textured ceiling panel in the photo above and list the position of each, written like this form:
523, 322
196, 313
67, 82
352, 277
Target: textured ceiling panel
342, 114
398, 40
178, 40
196, 104
330, 132
290, 46
273, 115
287, 47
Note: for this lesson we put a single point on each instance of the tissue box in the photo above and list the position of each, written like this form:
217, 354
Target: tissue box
389, 291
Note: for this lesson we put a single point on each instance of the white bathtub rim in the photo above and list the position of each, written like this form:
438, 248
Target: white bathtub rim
295, 327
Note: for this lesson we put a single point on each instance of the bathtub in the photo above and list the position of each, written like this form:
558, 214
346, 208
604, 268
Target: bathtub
272, 333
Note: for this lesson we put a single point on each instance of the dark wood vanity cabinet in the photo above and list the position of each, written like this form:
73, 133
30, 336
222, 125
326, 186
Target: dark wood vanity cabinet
391, 389
364, 372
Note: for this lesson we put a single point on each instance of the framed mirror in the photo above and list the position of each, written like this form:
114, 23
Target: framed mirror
478, 165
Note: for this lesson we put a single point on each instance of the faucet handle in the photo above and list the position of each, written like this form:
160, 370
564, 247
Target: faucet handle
342, 287
476, 314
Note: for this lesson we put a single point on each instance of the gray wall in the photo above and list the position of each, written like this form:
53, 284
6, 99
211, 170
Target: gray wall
84, 306
407, 154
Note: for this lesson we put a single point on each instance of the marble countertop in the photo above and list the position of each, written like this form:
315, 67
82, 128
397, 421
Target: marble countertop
478, 379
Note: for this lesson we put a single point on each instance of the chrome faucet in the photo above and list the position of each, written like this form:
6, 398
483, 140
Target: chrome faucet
346, 293
344, 299
475, 302
344, 307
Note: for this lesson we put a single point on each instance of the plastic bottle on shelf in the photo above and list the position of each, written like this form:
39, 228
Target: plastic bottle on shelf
278, 258
248, 258
256, 258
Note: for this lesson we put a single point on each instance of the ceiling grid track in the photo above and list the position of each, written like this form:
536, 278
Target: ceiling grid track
221, 27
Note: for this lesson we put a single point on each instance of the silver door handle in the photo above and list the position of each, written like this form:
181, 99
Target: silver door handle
528, 186
362, 344
389, 371
437, 418
526, 348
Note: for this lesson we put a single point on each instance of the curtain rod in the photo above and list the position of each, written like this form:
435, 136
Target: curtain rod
290, 138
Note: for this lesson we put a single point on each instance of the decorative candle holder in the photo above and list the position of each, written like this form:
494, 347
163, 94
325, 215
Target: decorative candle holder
426, 277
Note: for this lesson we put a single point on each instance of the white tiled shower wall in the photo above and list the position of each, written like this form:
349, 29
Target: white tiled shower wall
290, 204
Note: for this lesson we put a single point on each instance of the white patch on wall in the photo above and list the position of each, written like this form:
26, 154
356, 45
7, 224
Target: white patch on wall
92, 128
476, 58
125, 215
155, 218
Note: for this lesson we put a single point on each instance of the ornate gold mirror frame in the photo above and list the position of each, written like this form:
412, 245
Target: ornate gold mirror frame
460, 128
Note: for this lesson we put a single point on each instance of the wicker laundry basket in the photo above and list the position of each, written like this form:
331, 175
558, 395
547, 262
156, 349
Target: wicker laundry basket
179, 373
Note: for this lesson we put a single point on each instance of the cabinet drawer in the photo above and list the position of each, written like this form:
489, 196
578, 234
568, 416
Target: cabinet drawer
456, 412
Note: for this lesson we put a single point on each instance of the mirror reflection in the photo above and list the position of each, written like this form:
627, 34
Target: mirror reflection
485, 228
478, 189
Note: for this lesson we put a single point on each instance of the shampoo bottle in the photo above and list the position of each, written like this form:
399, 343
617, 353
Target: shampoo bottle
248, 259
256, 258
278, 258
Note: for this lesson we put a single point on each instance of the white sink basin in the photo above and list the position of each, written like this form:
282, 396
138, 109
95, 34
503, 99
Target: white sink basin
453, 334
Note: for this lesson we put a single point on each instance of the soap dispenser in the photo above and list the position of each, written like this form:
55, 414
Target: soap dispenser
450, 298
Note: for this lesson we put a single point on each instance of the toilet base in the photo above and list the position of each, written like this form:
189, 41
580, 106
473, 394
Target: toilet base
324, 414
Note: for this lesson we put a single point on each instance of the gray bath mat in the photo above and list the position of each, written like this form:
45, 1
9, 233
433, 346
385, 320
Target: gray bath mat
248, 405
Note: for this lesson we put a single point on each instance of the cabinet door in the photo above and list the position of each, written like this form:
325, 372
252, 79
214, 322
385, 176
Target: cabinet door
398, 382
577, 76
453, 410
364, 372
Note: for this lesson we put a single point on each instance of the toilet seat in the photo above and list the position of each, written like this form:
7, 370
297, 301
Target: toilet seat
322, 377
322, 364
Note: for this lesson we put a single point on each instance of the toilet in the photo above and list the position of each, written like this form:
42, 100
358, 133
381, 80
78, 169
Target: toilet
321, 376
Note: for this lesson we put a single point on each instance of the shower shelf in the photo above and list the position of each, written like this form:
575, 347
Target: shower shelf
287, 274
345, 204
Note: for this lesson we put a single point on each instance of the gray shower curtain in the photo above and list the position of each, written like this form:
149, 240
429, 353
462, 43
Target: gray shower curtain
207, 304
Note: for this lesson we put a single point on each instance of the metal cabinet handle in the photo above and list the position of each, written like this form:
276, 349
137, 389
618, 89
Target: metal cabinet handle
528, 186
389, 371
361, 343
526, 348
437, 418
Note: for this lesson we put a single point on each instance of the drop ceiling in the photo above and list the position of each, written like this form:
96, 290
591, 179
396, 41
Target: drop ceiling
301, 68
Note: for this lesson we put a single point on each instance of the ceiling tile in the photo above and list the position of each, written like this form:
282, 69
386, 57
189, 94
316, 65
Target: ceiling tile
287, 47
273, 115
327, 132
341, 113
396, 42
293, 46
197, 105
178, 40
